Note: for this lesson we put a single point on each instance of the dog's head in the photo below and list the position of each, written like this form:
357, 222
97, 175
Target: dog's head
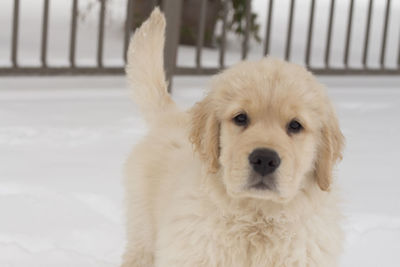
268, 128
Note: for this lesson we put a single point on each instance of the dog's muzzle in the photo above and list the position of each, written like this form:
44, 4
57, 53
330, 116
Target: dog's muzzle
264, 162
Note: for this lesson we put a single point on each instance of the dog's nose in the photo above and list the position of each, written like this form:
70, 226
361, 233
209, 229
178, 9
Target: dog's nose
264, 161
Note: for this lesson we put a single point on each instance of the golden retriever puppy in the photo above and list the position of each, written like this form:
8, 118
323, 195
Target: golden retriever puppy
244, 178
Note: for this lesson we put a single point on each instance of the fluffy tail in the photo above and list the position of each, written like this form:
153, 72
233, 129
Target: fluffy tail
145, 68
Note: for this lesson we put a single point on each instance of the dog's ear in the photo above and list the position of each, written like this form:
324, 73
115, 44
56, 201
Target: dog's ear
330, 150
204, 133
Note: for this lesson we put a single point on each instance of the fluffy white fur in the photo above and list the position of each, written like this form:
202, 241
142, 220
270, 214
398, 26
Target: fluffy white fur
187, 203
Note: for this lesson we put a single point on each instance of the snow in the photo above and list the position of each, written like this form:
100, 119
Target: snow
63, 143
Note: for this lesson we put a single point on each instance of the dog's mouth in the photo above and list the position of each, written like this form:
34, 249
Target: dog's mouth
261, 186
261, 183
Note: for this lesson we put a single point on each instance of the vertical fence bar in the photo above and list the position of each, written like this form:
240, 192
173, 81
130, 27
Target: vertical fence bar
72, 43
398, 53
289, 30
14, 39
43, 53
223, 35
245, 45
385, 28
367, 31
268, 30
348, 34
100, 43
329, 36
201, 33
128, 26
310, 33
173, 14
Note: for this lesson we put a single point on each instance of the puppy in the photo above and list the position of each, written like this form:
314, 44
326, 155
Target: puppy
241, 179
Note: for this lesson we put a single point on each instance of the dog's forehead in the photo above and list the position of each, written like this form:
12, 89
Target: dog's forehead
268, 84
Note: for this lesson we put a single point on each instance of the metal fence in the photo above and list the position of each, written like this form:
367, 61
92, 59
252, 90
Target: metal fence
72, 68
173, 9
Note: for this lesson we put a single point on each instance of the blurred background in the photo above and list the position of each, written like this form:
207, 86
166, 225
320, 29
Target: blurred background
67, 123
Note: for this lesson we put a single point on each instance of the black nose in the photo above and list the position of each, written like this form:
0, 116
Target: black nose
264, 161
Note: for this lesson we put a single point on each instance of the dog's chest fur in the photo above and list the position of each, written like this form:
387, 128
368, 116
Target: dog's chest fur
250, 240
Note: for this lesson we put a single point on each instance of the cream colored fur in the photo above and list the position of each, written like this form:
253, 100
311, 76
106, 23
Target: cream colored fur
187, 203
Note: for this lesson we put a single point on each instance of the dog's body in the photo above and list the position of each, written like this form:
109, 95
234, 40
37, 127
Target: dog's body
188, 206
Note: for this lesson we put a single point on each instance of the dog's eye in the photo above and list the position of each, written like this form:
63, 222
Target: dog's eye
294, 126
241, 119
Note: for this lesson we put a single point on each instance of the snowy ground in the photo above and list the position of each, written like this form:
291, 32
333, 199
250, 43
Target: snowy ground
63, 143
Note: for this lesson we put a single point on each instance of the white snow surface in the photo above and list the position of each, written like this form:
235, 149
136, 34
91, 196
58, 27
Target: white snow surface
63, 143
